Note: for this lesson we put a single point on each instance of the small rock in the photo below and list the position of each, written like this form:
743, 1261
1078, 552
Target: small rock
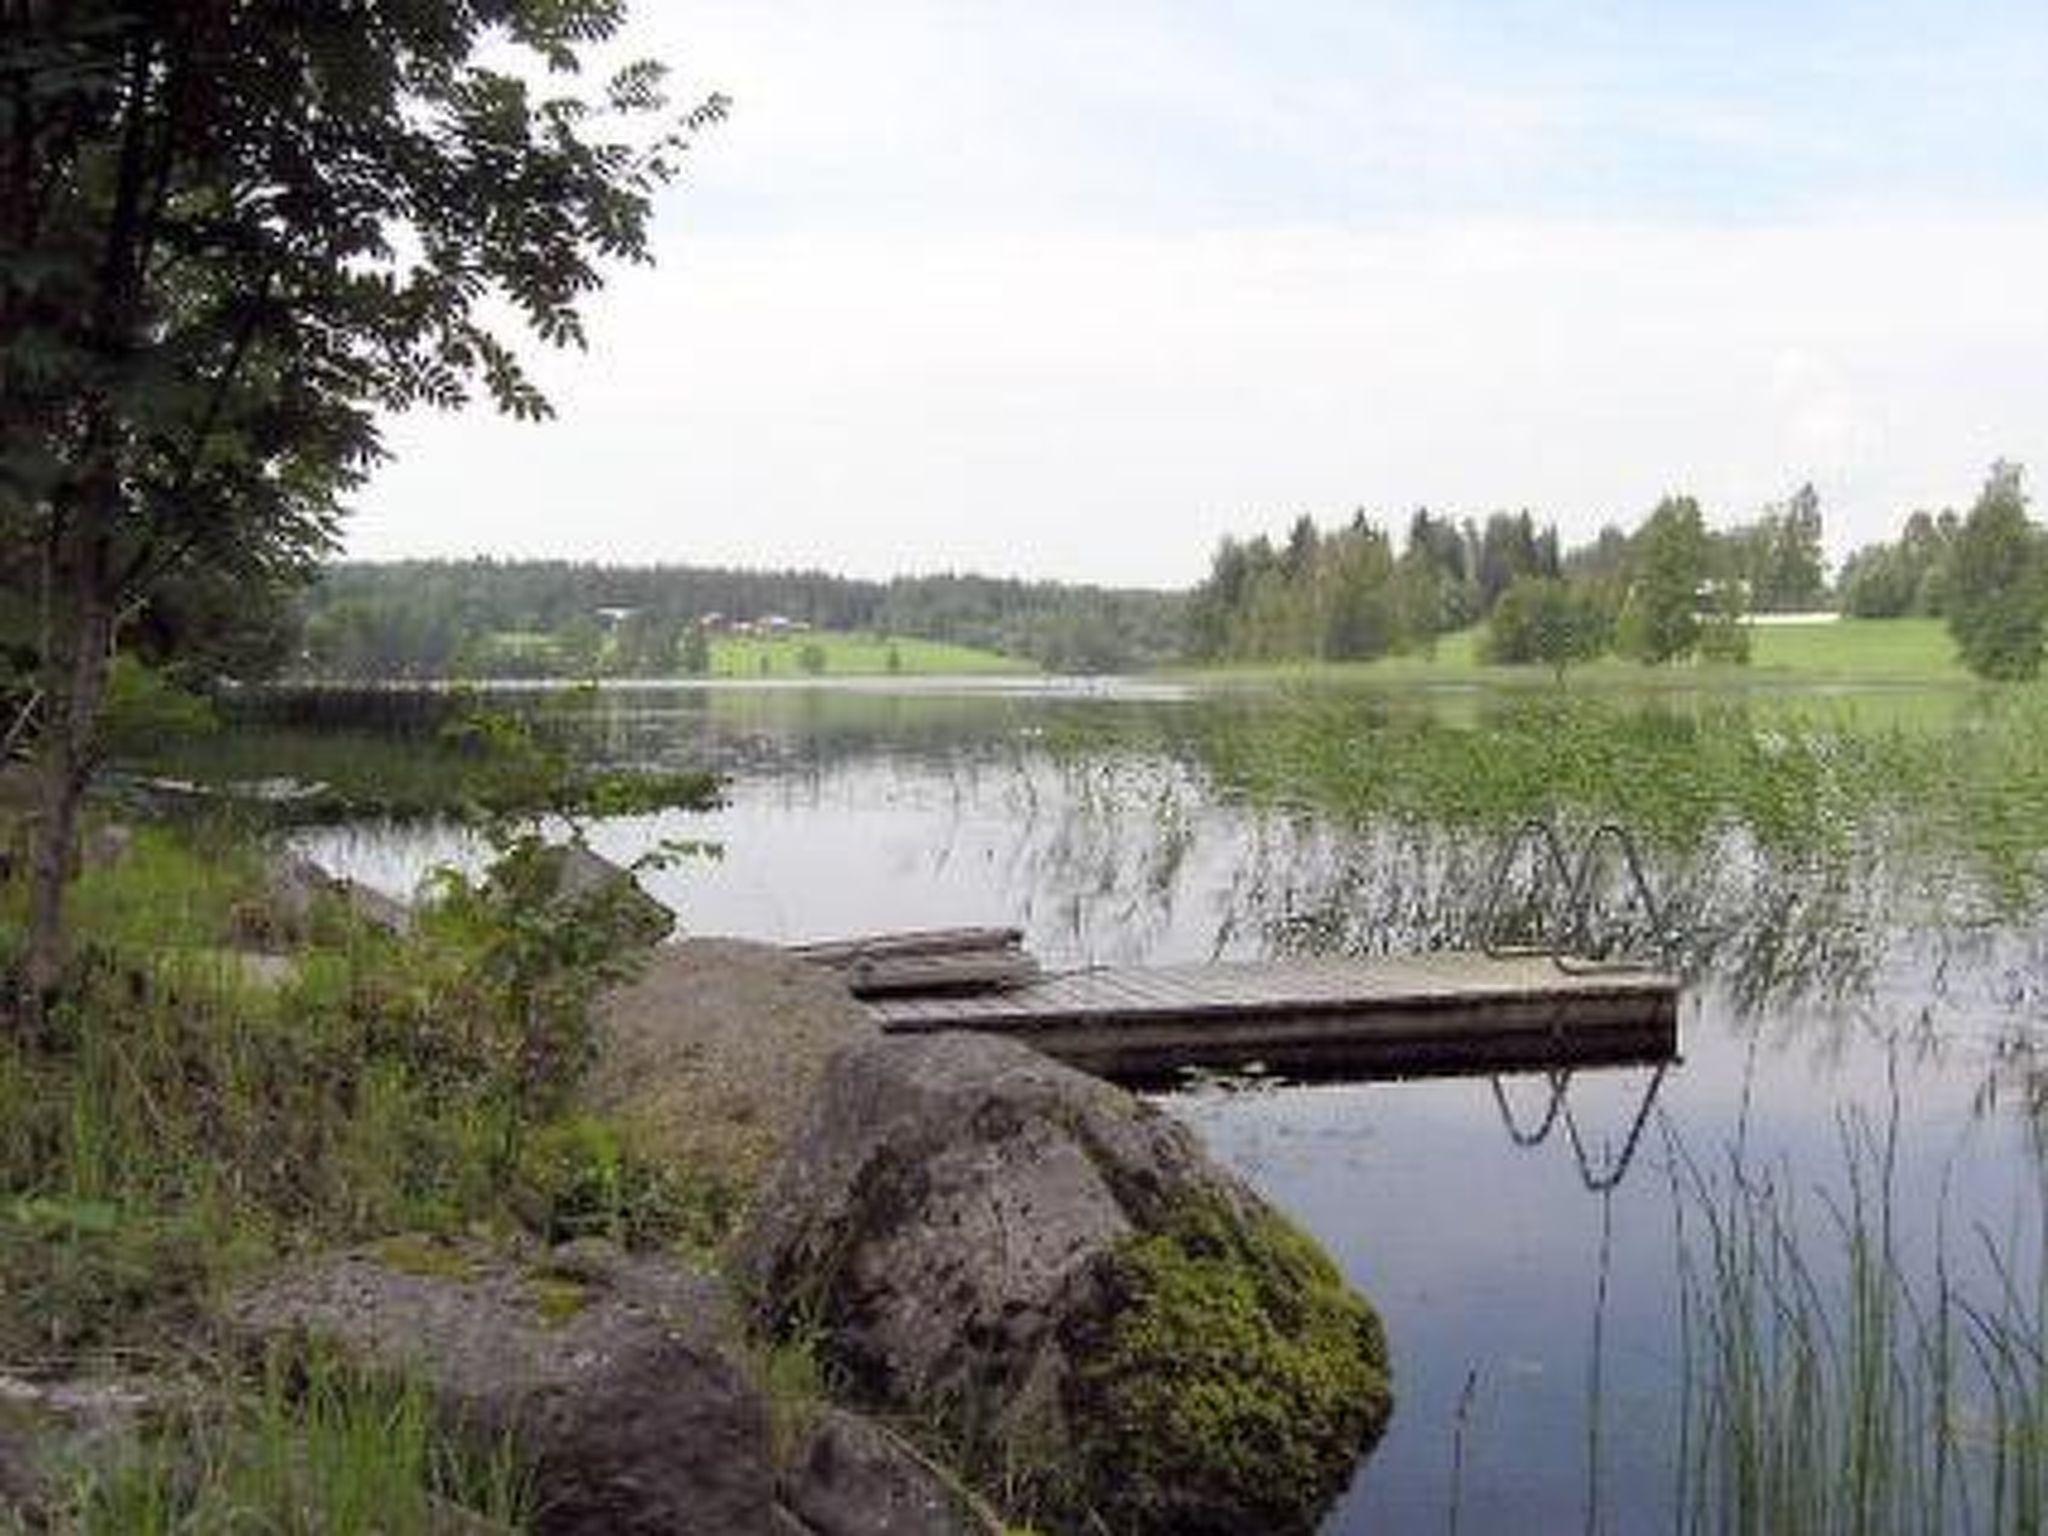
629, 1402
855, 1478
105, 843
713, 1050
50, 1429
295, 888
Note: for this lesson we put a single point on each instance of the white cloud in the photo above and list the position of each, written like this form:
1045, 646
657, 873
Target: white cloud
1104, 406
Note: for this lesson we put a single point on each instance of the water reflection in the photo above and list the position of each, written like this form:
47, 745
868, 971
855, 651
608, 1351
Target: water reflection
1857, 902
1600, 1169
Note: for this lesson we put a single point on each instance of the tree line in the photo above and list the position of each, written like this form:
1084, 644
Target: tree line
1670, 589
1984, 571
1663, 591
483, 618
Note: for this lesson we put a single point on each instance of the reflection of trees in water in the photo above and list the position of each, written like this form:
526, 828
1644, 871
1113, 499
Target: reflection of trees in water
1815, 871
1855, 936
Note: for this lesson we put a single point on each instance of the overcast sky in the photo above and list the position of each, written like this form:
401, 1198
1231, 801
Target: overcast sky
1072, 290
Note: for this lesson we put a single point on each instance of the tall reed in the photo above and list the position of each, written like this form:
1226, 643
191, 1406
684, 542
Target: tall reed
1830, 1381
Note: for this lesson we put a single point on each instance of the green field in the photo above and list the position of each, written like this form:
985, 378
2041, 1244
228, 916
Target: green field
831, 653
1851, 650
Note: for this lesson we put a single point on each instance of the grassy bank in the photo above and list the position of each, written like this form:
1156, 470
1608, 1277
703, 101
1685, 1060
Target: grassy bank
1850, 651
193, 1113
834, 653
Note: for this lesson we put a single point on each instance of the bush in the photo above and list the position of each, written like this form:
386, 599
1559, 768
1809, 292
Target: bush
1541, 620
1998, 583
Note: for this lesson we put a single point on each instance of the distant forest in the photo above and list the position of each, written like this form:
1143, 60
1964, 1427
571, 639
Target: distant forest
1667, 589
485, 618
1351, 594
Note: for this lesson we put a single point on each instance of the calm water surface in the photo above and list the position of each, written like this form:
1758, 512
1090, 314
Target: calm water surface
1527, 1277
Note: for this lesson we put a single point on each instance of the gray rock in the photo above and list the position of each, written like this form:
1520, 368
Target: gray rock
612, 1373
972, 1226
713, 1050
619, 1376
105, 843
583, 878
295, 889
856, 1478
944, 1203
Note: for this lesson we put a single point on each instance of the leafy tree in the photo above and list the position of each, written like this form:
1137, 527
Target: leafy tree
1724, 633
1908, 576
1542, 619
695, 655
645, 645
231, 233
1779, 556
1360, 619
1668, 567
1998, 582
1510, 547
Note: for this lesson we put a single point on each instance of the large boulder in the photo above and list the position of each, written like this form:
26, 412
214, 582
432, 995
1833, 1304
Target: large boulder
711, 1052
621, 1379
1053, 1277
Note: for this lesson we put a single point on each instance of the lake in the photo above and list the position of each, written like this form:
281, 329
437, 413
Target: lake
1601, 1292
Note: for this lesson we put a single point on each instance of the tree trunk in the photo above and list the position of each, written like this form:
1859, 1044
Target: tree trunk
75, 690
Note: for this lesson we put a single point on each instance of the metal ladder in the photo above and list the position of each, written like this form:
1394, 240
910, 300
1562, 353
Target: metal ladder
1598, 1178
1568, 944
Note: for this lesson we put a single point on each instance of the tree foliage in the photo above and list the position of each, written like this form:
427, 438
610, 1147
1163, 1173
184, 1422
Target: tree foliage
1908, 575
1546, 621
232, 233
483, 618
1343, 595
1998, 582
1778, 558
1668, 568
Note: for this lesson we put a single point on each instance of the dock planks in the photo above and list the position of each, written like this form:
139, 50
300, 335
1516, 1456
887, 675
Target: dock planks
1396, 1017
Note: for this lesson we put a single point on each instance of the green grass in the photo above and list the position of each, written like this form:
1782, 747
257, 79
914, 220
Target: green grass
179, 1122
313, 1446
1871, 651
1863, 650
841, 654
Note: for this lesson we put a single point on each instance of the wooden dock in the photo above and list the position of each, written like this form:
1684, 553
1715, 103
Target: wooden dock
1419, 1016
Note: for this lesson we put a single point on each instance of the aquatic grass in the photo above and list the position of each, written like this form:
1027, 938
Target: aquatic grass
1829, 1385
1832, 803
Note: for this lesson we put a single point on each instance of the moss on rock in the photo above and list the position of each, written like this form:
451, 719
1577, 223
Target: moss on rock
1234, 1383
